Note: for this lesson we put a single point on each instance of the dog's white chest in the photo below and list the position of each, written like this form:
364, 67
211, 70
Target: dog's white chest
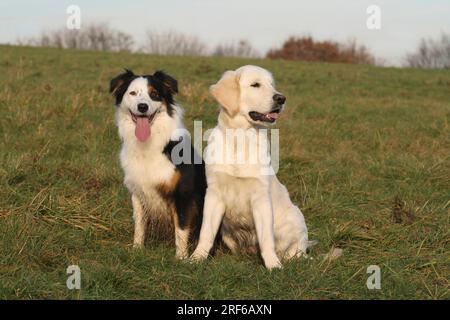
236, 194
144, 168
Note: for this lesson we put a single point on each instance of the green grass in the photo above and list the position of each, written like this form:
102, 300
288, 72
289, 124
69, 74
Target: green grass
354, 141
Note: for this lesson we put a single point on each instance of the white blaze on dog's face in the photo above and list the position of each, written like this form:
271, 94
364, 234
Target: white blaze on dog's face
141, 98
249, 91
137, 98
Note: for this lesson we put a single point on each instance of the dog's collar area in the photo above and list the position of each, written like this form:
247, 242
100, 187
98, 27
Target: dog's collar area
150, 117
270, 117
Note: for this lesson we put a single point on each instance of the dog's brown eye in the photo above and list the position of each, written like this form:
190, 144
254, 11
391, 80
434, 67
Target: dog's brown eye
154, 95
255, 85
133, 93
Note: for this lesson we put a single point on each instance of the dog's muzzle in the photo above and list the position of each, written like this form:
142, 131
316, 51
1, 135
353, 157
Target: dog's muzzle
270, 117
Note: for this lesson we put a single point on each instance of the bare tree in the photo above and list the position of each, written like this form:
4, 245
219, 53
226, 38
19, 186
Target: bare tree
98, 37
356, 53
242, 49
173, 43
101, 37
431, 54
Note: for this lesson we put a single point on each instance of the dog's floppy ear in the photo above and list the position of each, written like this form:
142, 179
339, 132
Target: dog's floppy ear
226, 92
169, 82
118, 81
118, 86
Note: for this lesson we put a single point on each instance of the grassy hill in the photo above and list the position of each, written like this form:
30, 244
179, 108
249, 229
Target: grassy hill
364, 153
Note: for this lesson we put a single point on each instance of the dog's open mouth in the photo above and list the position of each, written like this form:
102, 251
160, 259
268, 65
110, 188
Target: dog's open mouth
271, 116
143, 126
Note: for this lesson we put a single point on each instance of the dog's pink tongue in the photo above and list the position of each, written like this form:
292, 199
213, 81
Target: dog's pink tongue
273, 115
142, 130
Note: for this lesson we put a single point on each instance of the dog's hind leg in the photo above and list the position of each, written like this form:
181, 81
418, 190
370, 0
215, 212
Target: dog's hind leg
140, 222
294, 225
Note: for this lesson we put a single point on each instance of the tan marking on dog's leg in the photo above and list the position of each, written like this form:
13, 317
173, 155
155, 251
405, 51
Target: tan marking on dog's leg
181, 240
140, 222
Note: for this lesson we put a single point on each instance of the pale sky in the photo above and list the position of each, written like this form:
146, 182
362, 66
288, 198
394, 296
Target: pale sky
264, 23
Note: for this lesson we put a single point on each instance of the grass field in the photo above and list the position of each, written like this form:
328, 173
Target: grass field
364, 153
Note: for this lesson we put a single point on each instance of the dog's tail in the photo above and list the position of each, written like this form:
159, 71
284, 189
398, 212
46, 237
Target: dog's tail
311, 243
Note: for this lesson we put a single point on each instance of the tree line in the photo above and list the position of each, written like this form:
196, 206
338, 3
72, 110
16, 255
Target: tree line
430, 53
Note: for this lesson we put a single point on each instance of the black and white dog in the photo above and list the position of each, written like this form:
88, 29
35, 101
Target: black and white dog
151, 126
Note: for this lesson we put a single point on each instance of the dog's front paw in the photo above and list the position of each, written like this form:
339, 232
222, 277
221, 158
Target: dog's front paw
138, 245
275, 265
198, 256
272, 262
181, 255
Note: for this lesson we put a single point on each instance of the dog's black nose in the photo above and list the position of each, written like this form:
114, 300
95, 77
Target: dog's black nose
142, 107
279, 98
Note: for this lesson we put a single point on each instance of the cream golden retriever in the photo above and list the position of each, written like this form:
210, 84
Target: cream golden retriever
243, 198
